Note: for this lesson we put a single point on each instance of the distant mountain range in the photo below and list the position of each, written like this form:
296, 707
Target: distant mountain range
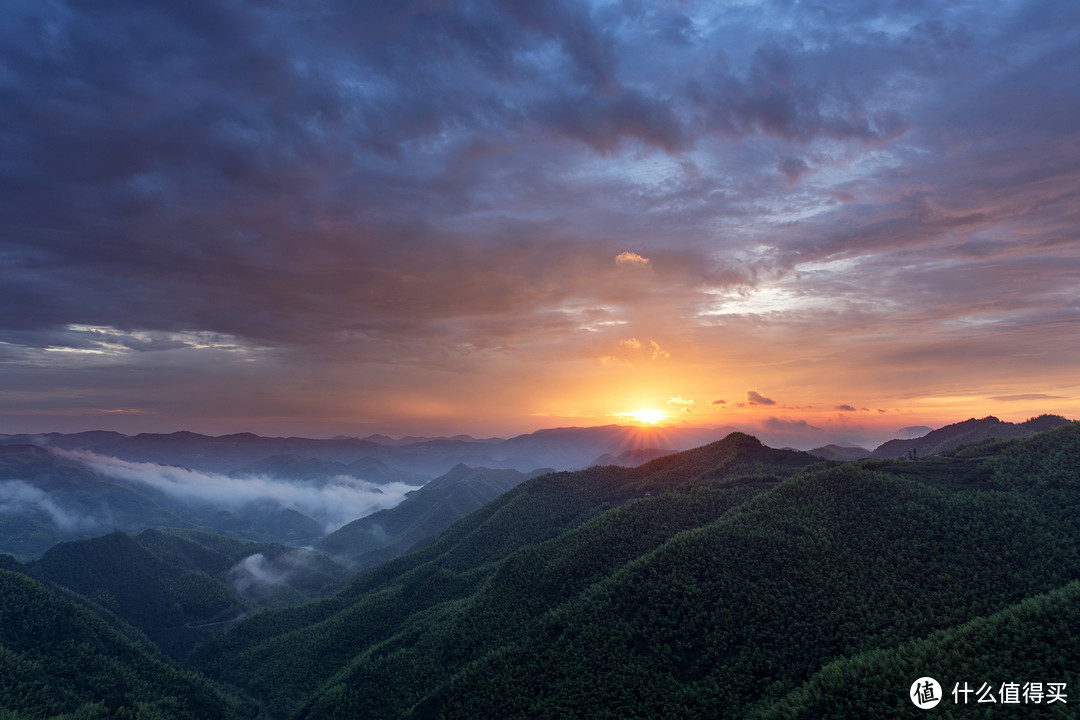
296, 467
381, 459
559, 448
293, 490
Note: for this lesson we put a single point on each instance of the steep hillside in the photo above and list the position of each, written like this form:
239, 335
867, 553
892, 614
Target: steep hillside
421, 517
1036, 641
57, 659
46, 499
747, 608
171, 584
702, 584
488, 579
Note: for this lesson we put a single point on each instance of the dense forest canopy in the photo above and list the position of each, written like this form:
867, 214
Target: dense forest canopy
731, 580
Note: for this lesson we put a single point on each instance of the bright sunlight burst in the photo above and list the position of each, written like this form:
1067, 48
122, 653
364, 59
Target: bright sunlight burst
648, 416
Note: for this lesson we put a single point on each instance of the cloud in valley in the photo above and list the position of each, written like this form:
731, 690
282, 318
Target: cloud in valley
332, 504
259, 576
18, 497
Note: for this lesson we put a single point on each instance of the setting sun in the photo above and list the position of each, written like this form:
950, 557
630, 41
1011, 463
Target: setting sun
648, 416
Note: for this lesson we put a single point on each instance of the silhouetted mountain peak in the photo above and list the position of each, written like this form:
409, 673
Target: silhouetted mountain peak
1044, 422
972, 430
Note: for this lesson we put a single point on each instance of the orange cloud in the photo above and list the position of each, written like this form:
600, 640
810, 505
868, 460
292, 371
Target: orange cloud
630, 258
632, 350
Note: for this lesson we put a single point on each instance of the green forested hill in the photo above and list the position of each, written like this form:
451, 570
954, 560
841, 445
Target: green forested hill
46, 499
1034, 641
168, 583
721, 582
490, 578
58, 660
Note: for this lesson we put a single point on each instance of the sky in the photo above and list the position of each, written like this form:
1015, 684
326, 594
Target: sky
311, 217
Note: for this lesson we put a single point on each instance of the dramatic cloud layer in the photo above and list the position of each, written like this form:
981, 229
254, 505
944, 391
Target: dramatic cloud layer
332, 216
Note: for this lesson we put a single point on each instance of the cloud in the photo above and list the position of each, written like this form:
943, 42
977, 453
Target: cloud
384, 192
602, 121
785, 432
719, 402
628, 352
754, 398
784, 425
255, 576
1027, 396
793, 168
630, 258
682, 402
333, 504
258, 576
18, 498
846, 408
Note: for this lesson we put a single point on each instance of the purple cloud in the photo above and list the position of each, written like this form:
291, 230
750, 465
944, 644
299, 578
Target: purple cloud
755, 398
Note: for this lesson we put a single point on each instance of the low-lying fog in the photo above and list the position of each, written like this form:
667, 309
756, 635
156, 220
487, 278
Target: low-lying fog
333, 503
